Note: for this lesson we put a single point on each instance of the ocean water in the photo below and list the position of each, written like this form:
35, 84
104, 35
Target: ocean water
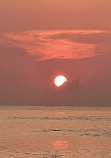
55, 132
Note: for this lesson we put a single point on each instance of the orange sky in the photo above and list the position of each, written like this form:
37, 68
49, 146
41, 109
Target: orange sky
41, 38
57, 14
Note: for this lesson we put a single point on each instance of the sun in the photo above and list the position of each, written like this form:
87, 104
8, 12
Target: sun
60, 80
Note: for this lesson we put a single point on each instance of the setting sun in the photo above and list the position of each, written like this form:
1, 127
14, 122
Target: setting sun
60, 80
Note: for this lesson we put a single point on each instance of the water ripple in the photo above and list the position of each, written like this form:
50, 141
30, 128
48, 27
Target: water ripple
81, 132
91, 118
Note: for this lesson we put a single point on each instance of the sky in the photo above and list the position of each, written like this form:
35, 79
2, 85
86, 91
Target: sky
40, 39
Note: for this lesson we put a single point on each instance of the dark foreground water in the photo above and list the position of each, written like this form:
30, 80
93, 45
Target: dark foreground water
55, 132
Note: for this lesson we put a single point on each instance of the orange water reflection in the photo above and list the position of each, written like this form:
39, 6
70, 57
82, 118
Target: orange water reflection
60, 144
61, 113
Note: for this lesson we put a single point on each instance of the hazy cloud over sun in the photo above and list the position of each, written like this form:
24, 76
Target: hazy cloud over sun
55, 44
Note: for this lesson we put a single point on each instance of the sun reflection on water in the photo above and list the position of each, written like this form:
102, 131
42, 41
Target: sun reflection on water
60, 144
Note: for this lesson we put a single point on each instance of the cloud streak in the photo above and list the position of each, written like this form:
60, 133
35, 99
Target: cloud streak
54, 44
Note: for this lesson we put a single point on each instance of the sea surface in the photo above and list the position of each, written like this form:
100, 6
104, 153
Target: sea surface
55, 132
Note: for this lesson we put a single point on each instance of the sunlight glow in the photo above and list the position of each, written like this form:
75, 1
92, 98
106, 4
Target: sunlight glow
60, 80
